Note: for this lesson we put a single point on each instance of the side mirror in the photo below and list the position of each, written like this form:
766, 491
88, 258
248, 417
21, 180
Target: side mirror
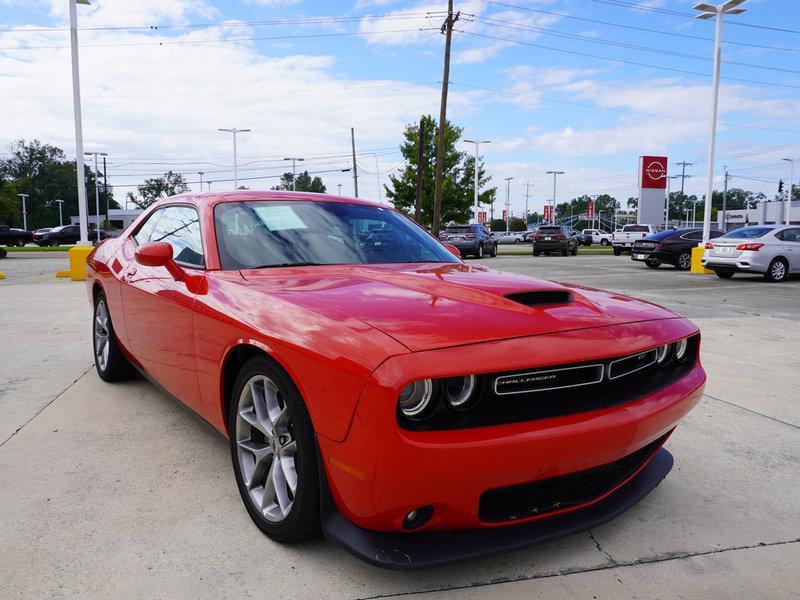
158, 254
453, 249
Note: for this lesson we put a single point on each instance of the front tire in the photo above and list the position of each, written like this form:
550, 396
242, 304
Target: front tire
109, 361
536, 253
274, 452
617, 252
604, 242
479, 253
494, 251
777, 271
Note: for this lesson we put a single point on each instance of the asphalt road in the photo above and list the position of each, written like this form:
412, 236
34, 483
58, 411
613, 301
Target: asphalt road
118, 491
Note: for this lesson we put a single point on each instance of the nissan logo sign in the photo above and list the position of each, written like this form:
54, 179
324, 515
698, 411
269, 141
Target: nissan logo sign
655, 170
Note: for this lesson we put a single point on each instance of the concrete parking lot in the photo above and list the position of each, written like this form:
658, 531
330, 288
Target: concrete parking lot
118, 491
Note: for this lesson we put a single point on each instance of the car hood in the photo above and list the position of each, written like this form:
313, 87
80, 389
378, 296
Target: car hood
427, 306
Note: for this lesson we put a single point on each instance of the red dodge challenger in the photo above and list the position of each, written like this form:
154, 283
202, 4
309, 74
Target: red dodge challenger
417, 409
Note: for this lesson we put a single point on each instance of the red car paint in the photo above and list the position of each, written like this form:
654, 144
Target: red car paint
353, 336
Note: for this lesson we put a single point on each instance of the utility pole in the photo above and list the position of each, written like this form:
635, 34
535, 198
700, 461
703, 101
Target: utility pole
508, 201
96, 192
201, 173
234, 131
683, 175
76, 109
60, 217
420, 170
294, 160
105, 186
527, 195
24, 197
355, 169
555, 174
447, 30
725, 201
789, 190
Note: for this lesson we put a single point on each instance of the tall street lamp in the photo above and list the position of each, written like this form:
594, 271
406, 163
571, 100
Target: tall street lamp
477, 144
709, 11
96, 190
234, 131
76, 108
24, 210
555, 174
339, 185
508, 201
60, 218
201, 173
786, 215
294, 160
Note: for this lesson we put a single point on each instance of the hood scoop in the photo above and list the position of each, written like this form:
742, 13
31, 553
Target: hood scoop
541, 297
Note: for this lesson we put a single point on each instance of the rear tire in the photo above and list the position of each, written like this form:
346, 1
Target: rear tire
724, 274
273, 450
536, 253
653, 264
617, 252
684, 261
575, 250
604, 242
494, 251
777, 271
109, 361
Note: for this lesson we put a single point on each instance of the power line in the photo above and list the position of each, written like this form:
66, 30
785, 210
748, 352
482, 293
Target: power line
634, 27
620, 110
628, 62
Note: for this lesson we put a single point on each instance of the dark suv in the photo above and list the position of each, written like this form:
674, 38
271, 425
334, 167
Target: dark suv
472, 239
555, 238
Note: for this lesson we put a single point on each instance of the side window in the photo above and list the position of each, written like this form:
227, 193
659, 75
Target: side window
716, 234
179, 226
693, 235
143, 235
789, 235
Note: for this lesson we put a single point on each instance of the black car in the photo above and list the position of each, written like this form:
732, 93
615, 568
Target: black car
14, 237
584, 239
472, 239
65, 234
555, 238
673, 247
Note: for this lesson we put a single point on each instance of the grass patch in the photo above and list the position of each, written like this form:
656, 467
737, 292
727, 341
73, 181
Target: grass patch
38, 249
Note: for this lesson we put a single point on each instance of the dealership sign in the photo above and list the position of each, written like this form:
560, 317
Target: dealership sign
653, 172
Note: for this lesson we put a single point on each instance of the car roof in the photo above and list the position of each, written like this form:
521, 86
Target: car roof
255, 195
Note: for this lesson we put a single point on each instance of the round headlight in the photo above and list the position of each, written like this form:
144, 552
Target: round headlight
663, 354
680, 348
416, 397
458, 390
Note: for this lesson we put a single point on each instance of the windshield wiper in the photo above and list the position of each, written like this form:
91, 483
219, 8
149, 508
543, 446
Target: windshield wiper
278, 265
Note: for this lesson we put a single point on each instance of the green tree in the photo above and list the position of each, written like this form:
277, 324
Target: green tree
43, 172
304, 183
458, 179
497, 225
517, 224
155, 188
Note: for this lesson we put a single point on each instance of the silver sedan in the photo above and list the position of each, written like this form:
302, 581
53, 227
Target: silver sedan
772, 250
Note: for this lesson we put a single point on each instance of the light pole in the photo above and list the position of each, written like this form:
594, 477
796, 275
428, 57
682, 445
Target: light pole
339, 185
477, 144
96, 191
789, 190
294, 160
201, 173
234, 131
508, 201
555, 174
60, 218
24, 211
710, 11
76, 109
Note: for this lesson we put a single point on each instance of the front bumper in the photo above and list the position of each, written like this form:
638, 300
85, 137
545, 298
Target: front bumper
380, 471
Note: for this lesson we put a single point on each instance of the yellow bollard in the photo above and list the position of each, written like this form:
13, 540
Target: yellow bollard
2, 275
77, 263
697, 262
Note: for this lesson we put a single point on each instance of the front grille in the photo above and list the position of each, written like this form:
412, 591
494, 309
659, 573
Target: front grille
559, 390
557, 493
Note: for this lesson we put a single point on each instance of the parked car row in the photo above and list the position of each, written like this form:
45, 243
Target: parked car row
14, 237
46, 236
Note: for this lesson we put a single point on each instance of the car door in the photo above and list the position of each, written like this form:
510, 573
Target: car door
791, 247
158, 309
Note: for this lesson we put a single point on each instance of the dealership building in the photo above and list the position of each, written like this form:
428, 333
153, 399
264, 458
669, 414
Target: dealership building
764, 213
118, 218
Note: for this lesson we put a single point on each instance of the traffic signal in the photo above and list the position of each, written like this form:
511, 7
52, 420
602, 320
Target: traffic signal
780, 186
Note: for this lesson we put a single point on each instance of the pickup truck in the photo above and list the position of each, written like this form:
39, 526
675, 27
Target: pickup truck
623, 239
14, 237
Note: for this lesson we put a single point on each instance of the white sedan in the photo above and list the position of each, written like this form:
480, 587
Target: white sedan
511, 237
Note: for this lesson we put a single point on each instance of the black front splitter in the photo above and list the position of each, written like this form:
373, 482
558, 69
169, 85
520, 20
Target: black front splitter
408, 551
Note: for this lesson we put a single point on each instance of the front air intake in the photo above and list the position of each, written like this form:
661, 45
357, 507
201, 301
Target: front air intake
541, 298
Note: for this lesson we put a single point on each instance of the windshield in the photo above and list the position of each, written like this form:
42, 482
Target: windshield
262, 234
748, 232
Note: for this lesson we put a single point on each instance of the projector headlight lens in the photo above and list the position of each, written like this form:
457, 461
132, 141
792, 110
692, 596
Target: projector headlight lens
663, 354
459, 390
416, 397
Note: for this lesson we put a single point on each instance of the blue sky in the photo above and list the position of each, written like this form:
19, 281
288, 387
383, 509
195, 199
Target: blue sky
552, 84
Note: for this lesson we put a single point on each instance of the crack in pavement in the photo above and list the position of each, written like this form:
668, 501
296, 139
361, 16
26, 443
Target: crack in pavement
666, 557
600, 549
750, 410
45, 405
